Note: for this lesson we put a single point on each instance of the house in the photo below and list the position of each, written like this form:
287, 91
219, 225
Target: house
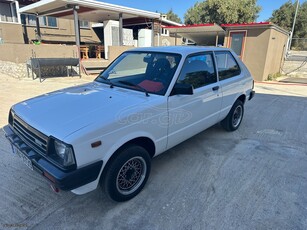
10, 22
262, 46
99, 25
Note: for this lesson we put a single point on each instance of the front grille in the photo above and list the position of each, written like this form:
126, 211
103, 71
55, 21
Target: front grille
30, 136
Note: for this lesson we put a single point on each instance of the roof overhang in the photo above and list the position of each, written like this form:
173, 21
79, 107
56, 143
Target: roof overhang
170, 23
202, 34
89, 10
255, 25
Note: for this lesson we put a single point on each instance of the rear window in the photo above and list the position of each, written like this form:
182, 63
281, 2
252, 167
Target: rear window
227, 66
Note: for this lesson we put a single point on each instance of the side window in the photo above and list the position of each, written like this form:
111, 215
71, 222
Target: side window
226, 65
198, 71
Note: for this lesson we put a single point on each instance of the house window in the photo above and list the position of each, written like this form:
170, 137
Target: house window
52, 22
44, 21
164, 32
8, 12
84, 24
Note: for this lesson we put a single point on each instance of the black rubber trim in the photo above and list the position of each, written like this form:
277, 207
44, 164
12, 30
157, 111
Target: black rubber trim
251, 95
60, 179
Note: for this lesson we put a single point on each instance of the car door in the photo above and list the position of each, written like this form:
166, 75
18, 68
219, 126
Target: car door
231, 79
190, 114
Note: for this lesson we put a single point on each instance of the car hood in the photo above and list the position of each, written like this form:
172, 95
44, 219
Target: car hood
66, 111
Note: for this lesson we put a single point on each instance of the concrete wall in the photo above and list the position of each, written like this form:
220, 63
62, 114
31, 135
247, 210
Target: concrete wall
276, 52
255, 52
11, 33
115, 51
167, 41
20, 53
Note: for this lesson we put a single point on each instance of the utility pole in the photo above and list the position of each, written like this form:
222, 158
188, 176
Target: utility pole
292, 31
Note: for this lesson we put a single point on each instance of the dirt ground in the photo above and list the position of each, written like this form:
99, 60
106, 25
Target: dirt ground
253, 178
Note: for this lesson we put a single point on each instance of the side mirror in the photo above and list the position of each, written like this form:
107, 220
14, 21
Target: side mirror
182, 89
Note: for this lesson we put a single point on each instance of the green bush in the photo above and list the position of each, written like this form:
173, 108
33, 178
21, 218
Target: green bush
272, 77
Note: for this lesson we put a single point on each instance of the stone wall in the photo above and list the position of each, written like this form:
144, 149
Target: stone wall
13, 69
19, 70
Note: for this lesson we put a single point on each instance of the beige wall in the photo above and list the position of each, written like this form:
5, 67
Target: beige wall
167, 41
11, 33
255, 52
263, 55
65, 32
20, 53
115, 51
275, 55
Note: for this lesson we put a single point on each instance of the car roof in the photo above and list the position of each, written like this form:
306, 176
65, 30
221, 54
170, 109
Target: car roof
184, 50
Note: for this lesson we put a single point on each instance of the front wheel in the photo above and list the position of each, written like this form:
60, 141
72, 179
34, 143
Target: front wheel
234, 117
127, 173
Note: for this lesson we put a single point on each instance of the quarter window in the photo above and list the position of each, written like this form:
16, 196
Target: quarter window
226, 65
198, 71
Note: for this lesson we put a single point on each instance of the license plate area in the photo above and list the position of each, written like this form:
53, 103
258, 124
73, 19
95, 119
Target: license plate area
23, 157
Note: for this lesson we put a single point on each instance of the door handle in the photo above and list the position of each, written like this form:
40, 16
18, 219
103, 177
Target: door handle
215, 88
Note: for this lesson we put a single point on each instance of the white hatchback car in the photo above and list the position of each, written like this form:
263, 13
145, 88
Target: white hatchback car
147, 101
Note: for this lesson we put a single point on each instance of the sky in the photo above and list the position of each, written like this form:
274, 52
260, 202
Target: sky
180, 6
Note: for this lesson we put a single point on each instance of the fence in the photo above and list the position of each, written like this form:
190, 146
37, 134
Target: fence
299, 44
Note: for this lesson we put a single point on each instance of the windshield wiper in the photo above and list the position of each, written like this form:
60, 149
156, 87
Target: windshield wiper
107, 80
135, 85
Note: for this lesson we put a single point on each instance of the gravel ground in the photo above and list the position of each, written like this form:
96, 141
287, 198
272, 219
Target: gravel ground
254, 178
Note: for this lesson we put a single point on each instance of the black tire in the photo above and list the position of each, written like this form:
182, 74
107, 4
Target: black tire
234, 118
127, 173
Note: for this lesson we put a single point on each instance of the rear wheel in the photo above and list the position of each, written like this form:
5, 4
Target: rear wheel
127, 173
234, 117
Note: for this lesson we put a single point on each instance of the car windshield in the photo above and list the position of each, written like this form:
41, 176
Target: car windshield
150, 72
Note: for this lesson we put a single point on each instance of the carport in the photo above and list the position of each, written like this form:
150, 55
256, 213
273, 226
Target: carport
89, 10
201, 34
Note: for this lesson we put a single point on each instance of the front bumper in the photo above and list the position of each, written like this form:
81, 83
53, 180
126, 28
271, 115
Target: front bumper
64, 180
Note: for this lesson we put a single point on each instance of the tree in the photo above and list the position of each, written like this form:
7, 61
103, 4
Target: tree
284, 17
173, 17
222, 11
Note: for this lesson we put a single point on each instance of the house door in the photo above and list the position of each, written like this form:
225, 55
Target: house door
237, 40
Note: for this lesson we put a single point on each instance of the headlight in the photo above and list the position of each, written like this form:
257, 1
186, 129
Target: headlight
64, 153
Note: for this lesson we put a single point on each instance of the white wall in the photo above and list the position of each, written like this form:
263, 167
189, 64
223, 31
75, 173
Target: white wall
111, 36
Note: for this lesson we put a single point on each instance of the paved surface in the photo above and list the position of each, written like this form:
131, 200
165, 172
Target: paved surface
254, 178
299, 80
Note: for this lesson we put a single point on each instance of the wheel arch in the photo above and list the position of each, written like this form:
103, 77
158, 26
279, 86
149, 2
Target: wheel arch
143, 141
242, 98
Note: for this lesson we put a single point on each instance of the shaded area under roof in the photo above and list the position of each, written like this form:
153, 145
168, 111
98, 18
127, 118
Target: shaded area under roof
202, 34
